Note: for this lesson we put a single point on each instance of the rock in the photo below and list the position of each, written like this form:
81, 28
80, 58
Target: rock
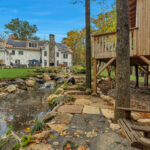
49, 85
51, 97
144, 121
41, 136
72, 81
109, 99
72, 109
11, 88
56, 143
63, 117
91, 134
90, 110
8, 142
114, 126
60, 80
81, 147
58, 127
82, 102
108, 113
30, 83
60, 91
111, 141
40, 81
3, 84
40, 76
136, 116
40, 146
46, 77
2, 94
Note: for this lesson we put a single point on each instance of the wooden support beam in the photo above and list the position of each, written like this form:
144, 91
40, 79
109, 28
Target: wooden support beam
137, 76
146, 77
143, 69
109, 78
95, 77
106, 65
147, 61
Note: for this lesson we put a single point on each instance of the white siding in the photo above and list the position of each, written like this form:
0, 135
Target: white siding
61, 59
27, 55
45, 58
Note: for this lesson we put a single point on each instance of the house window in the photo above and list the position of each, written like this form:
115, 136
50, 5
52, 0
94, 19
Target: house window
57, 54
17, 62
65, 56
57, 62
65, 63
20, 52
45, 53
33, 45
13, 52
45, 63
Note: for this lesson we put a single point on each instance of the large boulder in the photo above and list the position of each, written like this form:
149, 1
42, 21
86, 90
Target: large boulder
11, 88
30, 83
51, 97
49, 85
60, 80
72, 81
46, 77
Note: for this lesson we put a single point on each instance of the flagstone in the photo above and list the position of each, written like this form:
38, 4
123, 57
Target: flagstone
58, 127
63, 117
72, 109
90, 110
82, 102
40, 146
108, 113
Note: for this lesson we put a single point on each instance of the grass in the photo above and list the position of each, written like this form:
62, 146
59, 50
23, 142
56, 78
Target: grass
16, 73
132, 77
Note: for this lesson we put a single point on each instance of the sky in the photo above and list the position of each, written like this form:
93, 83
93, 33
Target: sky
51, 16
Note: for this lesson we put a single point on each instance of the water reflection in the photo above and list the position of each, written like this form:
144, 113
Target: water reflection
21, 111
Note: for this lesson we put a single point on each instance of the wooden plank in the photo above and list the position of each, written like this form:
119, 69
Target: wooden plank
141, 128
147, 61
133, 109
106, 65
145, 141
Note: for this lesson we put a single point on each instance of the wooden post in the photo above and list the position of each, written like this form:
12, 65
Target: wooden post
95, 77
146, 77
109, 78
137, 76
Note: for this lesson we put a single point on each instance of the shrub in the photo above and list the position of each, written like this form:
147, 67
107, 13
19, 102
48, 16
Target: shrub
38, 126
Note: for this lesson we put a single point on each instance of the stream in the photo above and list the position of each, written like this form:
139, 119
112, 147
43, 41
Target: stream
21, 110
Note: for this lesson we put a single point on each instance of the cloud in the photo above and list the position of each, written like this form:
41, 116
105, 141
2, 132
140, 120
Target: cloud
8, 11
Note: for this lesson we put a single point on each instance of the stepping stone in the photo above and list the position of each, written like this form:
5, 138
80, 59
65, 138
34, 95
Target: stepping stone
82, 102
108, 113
72, 109
63, 117
91, 110
58, 127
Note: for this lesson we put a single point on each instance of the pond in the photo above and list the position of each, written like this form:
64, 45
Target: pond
21, 111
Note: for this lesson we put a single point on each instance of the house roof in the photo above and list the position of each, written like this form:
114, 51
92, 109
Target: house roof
63, 48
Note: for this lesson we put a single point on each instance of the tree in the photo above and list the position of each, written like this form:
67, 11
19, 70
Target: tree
88, 45
105, 22
21, 30
123, 59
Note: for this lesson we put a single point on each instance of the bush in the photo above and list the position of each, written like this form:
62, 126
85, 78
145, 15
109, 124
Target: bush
78, 69
38, 126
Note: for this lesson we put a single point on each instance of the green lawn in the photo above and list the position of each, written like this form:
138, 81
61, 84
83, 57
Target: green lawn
132, 78
16, 73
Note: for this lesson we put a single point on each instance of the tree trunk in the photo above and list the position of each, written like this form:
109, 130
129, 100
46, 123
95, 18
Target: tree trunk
123, 59
88, 45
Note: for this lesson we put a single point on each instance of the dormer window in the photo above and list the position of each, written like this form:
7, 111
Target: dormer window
33, 45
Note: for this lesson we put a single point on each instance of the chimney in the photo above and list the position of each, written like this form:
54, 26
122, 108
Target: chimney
51, 50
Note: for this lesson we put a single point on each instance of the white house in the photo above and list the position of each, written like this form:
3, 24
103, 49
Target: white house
4, 56
36, 53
